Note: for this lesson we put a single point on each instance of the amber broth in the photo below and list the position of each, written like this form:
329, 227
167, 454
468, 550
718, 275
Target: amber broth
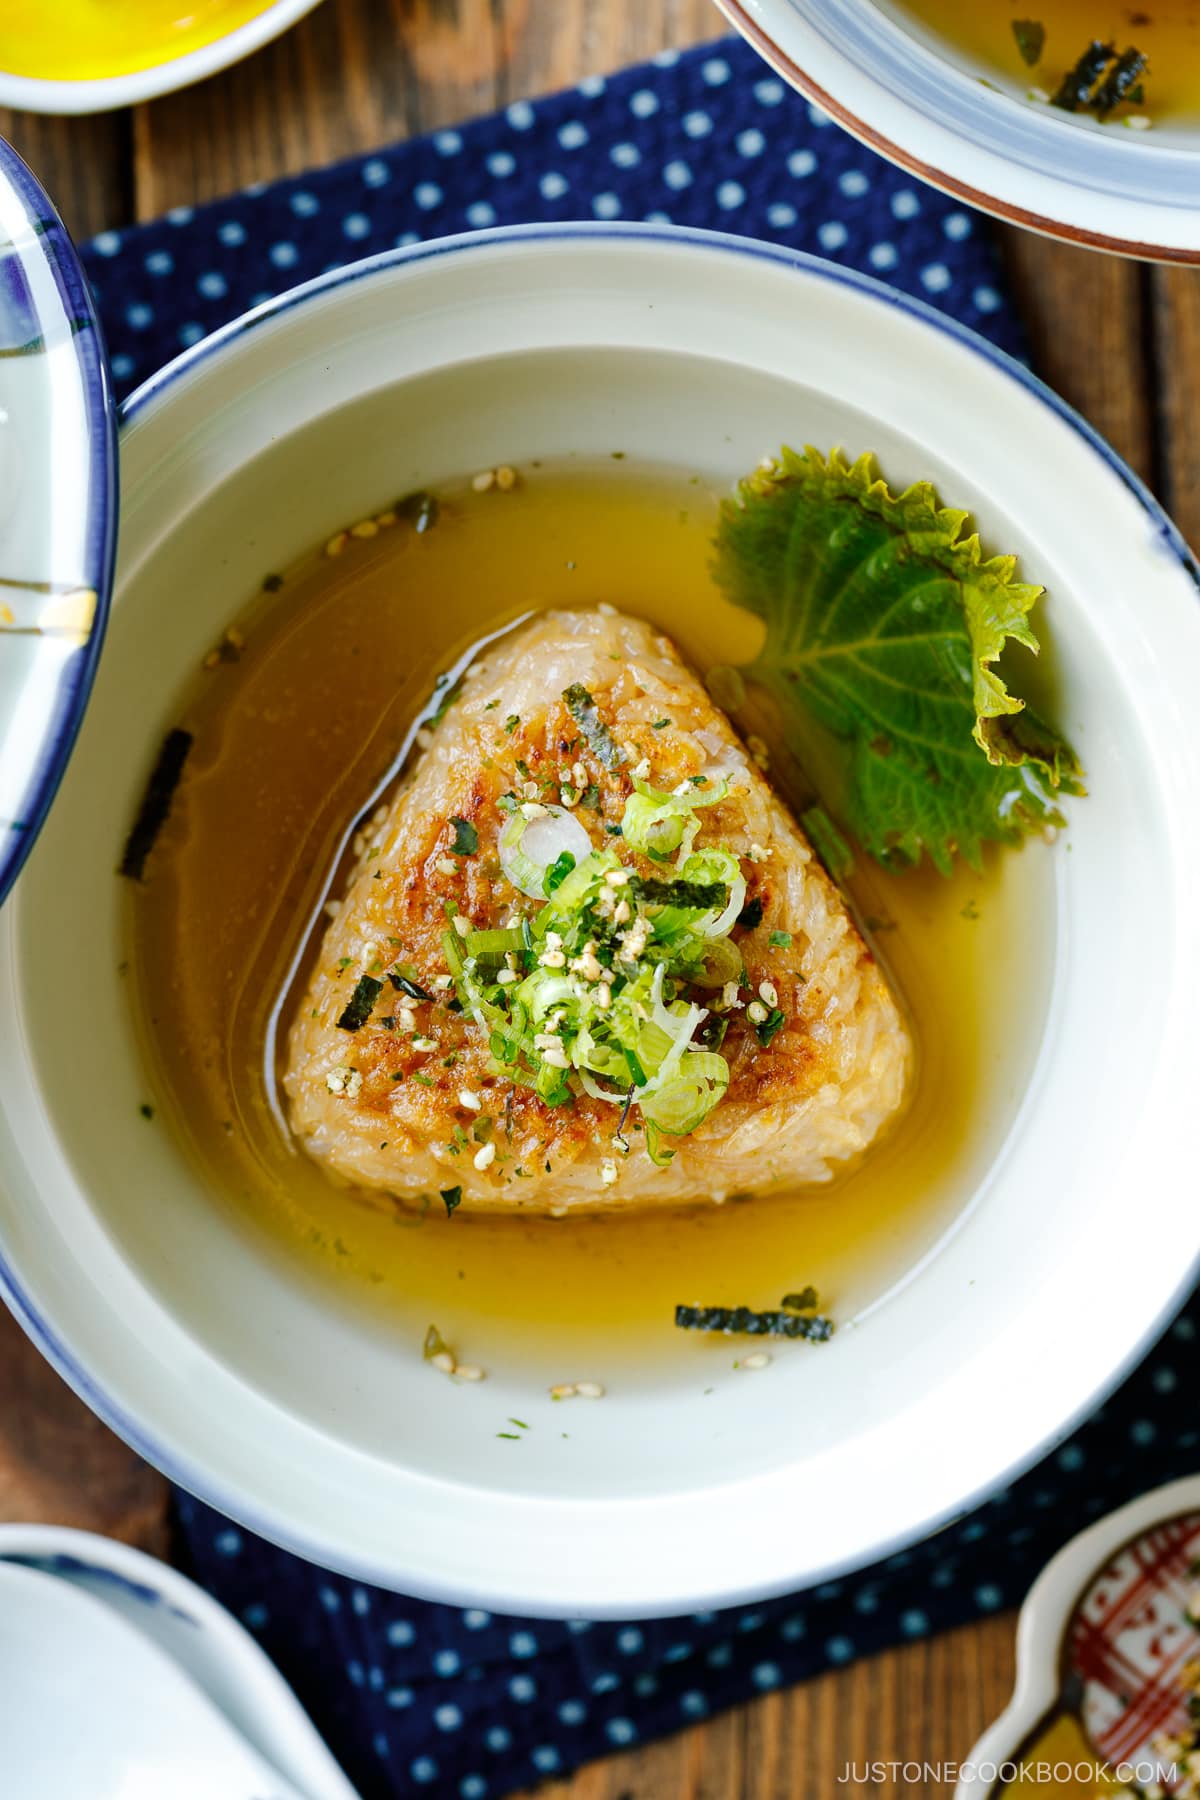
1167, 30
292, 740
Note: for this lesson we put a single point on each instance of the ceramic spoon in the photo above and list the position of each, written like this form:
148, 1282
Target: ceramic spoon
92, 1710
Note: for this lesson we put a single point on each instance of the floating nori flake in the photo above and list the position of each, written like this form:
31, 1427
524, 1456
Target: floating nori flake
600, 740
744, 1321
1074, 92
1031, 39
1121, 82
751, 914
361, 1003
404, 985
807, 1300
156, 803
272, 584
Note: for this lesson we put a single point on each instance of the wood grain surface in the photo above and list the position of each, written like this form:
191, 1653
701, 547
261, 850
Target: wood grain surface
1120, 341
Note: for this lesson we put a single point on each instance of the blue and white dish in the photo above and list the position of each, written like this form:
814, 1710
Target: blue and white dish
58, 504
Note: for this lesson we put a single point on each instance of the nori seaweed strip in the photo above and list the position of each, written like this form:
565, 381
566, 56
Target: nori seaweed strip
751, 914
1120, 82
156, 803
703, 896
361, 1003
451, 1197
748, 1323
403, 985
807, 1300
1074, 92
601, 742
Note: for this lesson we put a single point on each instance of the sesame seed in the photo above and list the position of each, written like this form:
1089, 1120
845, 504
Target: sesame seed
446, 865
617, 877
756, 1012
758, 1359
485, 479
337, 543
684, 787
385, 519
557, 1059
505, 477
767, 991
530, 790
568, 797
353, 1083
470, 1372
424, 1043
729, 995
604, 996
622, 913
563, 1390
608, 1171
406, 1018
579, 775
532, 809
444, 1362
485, 1156
333, 908
424, 738
757, 854
609, 612
506, 977
589, 1390
442, 982
471, 1101
553, 959
461, 925
335, 1081
366, 528
641, 770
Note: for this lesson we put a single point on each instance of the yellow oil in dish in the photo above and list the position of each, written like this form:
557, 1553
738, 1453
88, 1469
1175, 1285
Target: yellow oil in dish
87, 40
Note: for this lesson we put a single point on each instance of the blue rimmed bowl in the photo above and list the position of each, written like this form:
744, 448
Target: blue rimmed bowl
58, 504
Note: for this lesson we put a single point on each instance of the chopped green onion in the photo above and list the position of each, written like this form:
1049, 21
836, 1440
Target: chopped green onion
780, 940
528, 847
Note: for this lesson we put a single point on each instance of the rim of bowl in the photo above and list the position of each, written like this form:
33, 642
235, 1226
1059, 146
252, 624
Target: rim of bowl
746, 18
100, 410
104, 93
244, 1509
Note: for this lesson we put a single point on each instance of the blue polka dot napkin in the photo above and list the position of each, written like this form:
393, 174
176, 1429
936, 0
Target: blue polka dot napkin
709, 138
419, 1698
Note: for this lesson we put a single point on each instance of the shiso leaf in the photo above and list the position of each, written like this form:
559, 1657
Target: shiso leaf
885, 623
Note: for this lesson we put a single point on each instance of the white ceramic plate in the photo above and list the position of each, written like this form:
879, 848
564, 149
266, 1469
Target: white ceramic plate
25, 93
908, 95
333, 1439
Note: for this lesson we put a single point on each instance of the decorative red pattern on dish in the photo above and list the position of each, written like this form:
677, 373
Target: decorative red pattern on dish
1130, 1639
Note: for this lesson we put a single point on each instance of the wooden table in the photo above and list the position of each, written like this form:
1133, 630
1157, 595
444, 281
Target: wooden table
1119, 340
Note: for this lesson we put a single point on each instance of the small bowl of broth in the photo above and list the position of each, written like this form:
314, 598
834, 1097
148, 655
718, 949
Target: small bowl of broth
72, 56
1075, 118
589, 1020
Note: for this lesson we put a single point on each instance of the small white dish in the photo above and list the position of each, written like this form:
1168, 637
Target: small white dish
216, 1653
1043, 1657
910, 96
306, 1420
92, 1710
26, 93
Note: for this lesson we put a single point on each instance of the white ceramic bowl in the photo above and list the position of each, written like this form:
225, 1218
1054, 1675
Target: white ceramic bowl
25, 93
310, 1426
909, 95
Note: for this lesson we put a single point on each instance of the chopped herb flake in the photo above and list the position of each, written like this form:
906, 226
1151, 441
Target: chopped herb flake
807, 1300
780, 940
466, 838
1031, 39
451, 1197
600, 740
511, 723
361, 1003
770, 1025
146, 1110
